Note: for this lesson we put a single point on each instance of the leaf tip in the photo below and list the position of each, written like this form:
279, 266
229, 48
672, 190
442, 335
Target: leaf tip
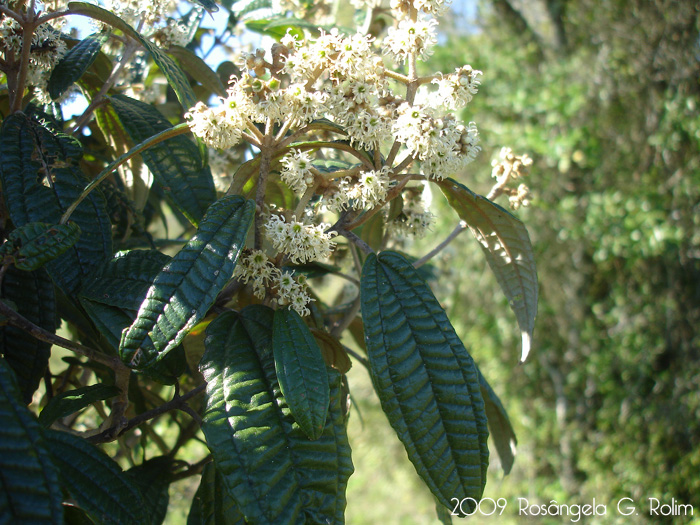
527, 342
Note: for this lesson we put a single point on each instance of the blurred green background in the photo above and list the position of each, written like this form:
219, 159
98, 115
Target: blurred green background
604, 96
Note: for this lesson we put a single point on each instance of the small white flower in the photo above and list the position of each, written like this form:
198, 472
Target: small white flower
301, 242
296, 172
411, 36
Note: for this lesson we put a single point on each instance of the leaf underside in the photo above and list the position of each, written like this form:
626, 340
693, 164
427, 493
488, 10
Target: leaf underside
500, 429
506, 244
184, 290
268, 465
425, 379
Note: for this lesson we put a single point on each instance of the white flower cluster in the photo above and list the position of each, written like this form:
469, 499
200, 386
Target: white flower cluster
456, 90
416, 36
46, 50
257, 269
296, 172
510, 168
221, 127
442, 143
369, 190
301, 242
151, 12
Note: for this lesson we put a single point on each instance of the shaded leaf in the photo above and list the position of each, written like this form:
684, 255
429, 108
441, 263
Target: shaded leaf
33, 296
211, 504
301, 371
95, 481
30, 491
183, 292
333, 352
176, 77
269, 466
74, 63
500, 429
506, 244
41, 178
34, 244
425, 379
72, 401
198, 69
175, 163
153, 478
112, 296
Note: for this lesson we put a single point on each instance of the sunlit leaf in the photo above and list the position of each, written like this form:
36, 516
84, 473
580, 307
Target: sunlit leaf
301, 371
270, 468
183, 291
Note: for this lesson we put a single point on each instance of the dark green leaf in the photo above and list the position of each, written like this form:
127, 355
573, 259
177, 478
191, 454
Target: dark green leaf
301, 371
175, 163
34, 244
269, 466
501, 430
30, 490
185, 289
258, 320
74, 63
425, 379
40, 179
113, 293
506, 244
33, 295
153, 479
95, 481
72, 401
112, 296
211, 504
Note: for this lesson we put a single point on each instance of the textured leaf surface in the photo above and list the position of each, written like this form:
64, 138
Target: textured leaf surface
152, 478
30, 491
34, 244
74, 63
33, 295
183, 291
425, 379
500, 429
72, 401
301, 371
112, 294
508, 250
95, 481
40, 179
211, 504
175, 163
269, 466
